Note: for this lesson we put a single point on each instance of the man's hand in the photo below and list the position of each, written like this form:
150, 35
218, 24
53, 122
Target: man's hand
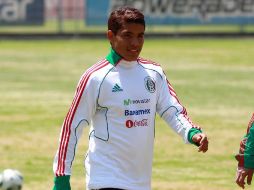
201, 140
241, 174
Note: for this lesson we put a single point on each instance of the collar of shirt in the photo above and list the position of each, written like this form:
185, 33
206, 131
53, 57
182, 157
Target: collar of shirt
127, 64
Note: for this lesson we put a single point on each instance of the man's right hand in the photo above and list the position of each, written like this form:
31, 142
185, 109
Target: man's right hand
241, 174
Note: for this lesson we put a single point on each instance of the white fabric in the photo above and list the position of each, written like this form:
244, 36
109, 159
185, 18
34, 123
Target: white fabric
120, 102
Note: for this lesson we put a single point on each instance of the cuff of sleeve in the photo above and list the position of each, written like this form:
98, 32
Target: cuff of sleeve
240, 158
192, 132
62, 183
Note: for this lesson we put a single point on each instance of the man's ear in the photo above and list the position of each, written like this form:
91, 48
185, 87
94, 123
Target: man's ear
110, 35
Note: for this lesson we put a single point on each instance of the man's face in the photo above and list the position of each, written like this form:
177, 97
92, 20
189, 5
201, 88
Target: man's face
128, 41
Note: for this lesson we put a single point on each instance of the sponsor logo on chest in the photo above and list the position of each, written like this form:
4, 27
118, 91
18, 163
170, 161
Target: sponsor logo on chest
136, 123
136, 112
128, 102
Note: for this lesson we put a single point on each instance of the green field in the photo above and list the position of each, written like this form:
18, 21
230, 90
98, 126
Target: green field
213, 79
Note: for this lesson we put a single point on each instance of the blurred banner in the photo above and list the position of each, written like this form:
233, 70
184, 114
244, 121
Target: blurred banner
21, 12
159, 12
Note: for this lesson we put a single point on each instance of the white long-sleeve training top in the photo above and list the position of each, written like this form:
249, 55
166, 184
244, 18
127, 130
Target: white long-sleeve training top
119, 100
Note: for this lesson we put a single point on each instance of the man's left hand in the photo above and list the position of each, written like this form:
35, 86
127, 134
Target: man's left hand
202, 141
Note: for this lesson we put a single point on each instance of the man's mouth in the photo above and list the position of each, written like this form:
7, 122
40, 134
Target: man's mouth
134, 50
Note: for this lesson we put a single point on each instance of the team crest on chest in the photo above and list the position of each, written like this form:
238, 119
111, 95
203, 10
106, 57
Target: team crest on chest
150, 84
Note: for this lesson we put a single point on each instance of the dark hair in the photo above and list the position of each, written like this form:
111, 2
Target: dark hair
124, 15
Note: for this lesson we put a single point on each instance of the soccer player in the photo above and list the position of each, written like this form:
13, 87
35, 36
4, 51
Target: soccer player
245, 157
119, 98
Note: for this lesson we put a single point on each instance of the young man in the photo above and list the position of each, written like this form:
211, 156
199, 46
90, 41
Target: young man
245, 157
119, 97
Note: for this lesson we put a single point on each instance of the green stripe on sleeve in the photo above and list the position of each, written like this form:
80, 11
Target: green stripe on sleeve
249, 149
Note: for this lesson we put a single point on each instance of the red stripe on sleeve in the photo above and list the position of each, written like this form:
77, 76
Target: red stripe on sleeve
70, 115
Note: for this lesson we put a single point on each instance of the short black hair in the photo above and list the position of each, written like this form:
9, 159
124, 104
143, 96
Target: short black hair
123, 15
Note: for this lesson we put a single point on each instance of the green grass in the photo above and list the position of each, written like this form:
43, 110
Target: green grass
213, 79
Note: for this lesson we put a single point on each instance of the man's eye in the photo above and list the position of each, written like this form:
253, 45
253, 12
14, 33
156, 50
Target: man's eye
127, 35
141, 36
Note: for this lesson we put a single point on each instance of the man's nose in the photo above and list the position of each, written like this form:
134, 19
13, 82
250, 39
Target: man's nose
135, 42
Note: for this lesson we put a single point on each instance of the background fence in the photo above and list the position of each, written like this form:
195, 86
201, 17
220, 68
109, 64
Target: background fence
163, 16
